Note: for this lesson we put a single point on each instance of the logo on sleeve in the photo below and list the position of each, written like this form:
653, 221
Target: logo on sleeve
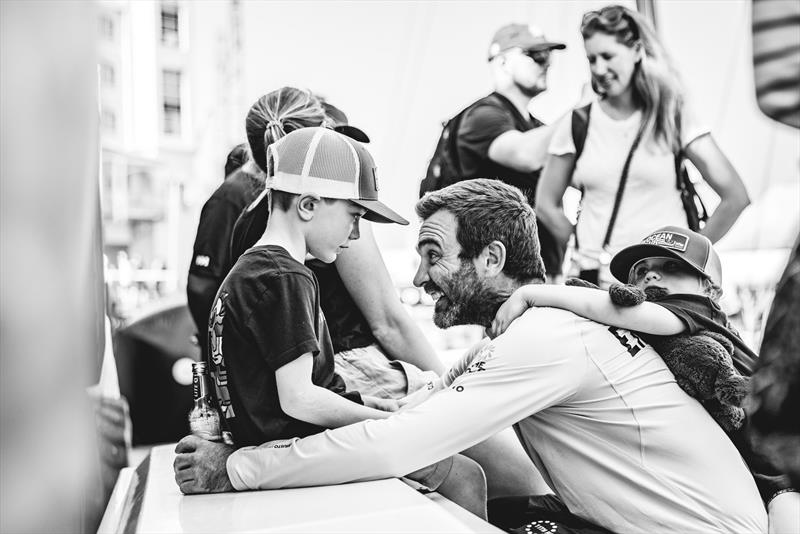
201, 260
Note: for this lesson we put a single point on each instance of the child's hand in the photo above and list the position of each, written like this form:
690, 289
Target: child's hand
512, 308
386, 405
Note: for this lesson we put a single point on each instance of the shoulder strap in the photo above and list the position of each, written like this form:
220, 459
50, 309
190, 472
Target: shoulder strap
580, 128
621, 188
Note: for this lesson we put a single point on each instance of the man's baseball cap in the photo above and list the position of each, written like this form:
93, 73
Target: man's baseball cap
322, 161
521, 36
340, 124
691, 248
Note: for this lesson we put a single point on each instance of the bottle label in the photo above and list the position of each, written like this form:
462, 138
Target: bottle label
206, 428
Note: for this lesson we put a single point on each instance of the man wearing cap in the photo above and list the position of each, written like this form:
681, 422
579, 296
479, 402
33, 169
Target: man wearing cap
498, 137
596, 409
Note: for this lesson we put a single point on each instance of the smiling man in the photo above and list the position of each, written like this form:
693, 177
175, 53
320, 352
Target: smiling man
597, 410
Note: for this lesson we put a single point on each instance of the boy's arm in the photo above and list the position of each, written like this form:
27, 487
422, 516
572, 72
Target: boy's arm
303, 400
594, 304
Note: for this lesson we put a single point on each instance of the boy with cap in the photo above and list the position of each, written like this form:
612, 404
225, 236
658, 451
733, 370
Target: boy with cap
274, 373
681, 274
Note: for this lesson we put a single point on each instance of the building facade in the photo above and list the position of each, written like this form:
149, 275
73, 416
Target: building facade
169, 82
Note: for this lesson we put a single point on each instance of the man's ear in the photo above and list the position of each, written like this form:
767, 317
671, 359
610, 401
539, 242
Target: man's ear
307, 205
492, 258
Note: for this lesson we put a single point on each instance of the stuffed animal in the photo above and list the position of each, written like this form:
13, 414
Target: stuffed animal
701, 363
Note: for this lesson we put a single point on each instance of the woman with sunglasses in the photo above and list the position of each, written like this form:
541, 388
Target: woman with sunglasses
637, 125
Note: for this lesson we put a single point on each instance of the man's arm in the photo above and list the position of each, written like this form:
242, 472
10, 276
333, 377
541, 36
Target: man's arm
302, 399
522, 151
504, 384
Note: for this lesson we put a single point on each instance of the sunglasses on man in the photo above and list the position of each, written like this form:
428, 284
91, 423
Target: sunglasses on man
541, 57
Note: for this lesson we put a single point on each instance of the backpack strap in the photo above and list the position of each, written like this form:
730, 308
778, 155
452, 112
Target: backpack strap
580, 128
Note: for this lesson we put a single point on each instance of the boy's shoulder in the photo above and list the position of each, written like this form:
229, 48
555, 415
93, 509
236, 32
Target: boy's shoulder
268, 265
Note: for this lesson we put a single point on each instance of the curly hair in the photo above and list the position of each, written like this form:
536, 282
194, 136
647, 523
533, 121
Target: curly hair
488, 210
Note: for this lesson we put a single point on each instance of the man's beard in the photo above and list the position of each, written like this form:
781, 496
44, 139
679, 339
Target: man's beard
531, 92
468, 301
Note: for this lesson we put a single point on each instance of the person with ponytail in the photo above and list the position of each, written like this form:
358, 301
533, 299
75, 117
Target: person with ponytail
639, 127
271, 117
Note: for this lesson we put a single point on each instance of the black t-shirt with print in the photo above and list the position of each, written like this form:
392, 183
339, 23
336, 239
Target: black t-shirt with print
266, 315
483, 122
349, 328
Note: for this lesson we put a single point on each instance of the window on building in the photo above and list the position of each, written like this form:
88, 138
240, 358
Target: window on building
169, 25
108, 121
172, 101
107, 75
106, 27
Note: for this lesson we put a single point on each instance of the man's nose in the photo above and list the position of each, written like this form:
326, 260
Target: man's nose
422, 275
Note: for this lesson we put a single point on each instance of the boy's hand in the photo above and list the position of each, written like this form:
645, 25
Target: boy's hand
512, 308
386, 405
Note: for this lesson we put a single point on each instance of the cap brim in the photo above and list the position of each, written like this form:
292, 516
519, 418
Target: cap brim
626, 258
352, 132
546, 46
378, 212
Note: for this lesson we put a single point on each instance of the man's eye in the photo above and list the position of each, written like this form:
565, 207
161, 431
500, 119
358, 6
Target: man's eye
672, 266
433, 257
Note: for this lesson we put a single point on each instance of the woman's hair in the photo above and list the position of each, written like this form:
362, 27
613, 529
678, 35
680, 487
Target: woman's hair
278, 113
656, 85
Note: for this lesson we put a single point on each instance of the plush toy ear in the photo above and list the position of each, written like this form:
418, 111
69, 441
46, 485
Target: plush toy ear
579, 282
626, 295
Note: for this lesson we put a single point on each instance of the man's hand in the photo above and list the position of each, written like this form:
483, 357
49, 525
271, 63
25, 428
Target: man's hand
200, 466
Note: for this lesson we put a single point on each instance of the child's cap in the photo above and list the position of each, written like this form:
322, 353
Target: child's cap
691, 248
319, 160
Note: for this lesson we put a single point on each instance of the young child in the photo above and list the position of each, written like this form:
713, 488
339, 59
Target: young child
274, 373
681, 273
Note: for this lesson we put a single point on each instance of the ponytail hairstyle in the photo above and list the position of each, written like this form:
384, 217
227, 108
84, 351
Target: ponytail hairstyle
278, 113
656, 85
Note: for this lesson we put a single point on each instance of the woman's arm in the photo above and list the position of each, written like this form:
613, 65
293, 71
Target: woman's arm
704, 153
553, 182
594, 304
303, 400
365, 276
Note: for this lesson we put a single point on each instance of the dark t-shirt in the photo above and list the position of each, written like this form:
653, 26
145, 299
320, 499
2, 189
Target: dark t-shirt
701, 313
481, 124
349, 328
266, 315
211, 255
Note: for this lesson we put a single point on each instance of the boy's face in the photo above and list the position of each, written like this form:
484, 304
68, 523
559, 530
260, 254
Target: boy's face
334, 225
669, 274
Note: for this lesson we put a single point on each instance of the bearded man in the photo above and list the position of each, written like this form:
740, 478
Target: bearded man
596, 409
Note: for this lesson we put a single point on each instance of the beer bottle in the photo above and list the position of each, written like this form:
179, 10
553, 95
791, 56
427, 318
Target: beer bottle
204, 420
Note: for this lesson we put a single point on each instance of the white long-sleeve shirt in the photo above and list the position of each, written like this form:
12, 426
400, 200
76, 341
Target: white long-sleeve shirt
598, 411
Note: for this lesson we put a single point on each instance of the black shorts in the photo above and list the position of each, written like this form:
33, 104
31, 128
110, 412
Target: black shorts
538, 514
